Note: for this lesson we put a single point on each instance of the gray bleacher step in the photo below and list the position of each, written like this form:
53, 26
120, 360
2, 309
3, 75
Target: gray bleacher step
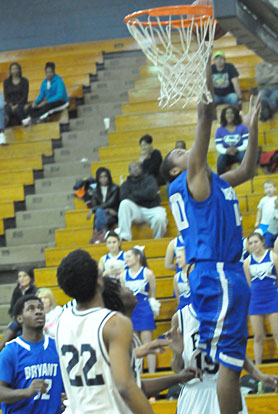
78, 168
62, 200
124, 61
54, 217
106, 109
6, 292
105, 96
4, 315
84, 137
77, 153
119, 73
55, 184
19, 256
80, 124
30, 235
119, 85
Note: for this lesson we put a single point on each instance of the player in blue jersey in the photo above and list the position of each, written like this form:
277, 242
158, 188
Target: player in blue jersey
207, 215
30, 377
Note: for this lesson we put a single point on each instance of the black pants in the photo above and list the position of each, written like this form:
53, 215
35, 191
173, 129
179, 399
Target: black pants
14, 117
38, 112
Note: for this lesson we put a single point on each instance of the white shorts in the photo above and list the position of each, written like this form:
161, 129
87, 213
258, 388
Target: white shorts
201, 398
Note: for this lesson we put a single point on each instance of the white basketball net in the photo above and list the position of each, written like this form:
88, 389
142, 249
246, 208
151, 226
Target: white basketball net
179, 56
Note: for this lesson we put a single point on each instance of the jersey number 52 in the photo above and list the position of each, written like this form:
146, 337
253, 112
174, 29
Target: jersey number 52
85, 360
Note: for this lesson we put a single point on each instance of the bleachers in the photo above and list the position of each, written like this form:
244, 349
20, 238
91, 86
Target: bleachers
140, 115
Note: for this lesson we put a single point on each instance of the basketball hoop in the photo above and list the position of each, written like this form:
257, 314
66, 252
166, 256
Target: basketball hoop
178, 41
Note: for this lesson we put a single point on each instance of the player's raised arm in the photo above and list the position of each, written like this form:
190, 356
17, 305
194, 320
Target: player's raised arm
117, 333
246, 170
198, 174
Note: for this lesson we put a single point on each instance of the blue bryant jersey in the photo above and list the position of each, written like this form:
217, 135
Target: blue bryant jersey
20, 363
211, 229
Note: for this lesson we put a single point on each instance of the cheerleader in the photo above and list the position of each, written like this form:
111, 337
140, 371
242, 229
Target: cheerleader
141, 280
261, 269
181, 285
113, 243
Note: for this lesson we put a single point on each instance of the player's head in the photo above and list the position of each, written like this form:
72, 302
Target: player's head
49, 70
78, 276
269, 188
113, 242
180, 257
180, 144
219, 59
255, 242
135, 169
47, 298
25, 277
135, 256
29, 312
230, 115
174, 164
118, 298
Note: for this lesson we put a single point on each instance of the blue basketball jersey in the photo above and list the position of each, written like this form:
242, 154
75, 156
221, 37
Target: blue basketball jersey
20, 363
211, 229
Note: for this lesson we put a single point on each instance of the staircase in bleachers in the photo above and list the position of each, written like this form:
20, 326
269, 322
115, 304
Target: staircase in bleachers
112, 94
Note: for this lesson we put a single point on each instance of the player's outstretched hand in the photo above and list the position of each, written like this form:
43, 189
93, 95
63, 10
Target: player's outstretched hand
37, 385
190, 373
270, 381
154, 347
251, 118
177, 340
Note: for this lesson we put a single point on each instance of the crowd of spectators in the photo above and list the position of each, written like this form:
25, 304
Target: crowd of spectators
14, 106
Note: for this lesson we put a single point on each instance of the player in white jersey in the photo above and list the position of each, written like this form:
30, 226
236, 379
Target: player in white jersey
94, 344
198, 397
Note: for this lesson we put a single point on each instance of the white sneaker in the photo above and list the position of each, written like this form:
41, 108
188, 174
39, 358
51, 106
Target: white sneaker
26, 121
3, 139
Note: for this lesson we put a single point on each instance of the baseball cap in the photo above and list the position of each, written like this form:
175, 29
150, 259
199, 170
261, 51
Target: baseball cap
219, 53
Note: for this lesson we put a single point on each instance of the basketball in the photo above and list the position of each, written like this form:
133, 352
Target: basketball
219, 31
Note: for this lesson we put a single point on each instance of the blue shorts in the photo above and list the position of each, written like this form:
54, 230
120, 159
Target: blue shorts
220, 297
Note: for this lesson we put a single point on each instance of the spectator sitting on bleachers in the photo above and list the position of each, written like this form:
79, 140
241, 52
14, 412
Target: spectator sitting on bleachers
231, 139
225, 81
3, 139
25, 286
105, 203
272, 231
16, 89
52, 98
52, 311
150, 158
266, 206
140, 203
267, 78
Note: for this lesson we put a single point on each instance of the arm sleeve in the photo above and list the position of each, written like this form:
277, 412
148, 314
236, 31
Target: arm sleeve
6, 91
124, 192
25, 92
112, 202
41, 96
219, 142
7, 361
60, 92
150, 190
244, 139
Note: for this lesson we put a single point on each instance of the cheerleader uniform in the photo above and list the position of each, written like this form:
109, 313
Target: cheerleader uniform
184, 289
264, 293
108, 257
142, 316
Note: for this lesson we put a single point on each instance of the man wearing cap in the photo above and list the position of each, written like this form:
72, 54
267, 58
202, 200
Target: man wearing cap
225, 81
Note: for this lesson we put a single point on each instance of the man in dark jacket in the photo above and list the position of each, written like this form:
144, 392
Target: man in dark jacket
140, 203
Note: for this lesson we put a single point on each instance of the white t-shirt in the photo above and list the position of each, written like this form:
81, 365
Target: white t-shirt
266, 204
104, 192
